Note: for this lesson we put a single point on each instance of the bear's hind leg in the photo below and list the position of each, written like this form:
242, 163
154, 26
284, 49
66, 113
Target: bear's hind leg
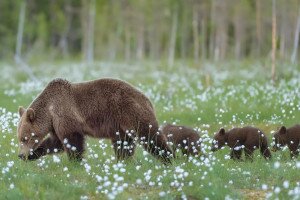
265, 151
49, 146
74, 146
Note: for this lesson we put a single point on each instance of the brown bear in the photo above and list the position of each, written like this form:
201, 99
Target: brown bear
288, 136
247, 138
184, 138
64, 113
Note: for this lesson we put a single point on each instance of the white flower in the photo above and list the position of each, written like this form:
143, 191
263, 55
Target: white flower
122, 170
65, 141
276, 165
264, 187
277, 190
56, 159
138, 181
286, 184
162, 194
73, 148
11, 186
36, 141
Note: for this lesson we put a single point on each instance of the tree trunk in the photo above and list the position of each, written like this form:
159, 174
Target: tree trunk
127, 44
18, 55
20, 29
91, 30
203, 39
173, 34
273, 39
88, 22
296, 40
258, 27
63, 42
195, 34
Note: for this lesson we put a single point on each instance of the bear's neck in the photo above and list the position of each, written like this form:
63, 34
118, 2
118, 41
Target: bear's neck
226, 137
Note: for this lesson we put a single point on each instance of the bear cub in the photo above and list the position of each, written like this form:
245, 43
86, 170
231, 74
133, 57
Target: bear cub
184, 138
288, 136
239, 139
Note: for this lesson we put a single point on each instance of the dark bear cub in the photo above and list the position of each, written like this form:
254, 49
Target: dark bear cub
288, 136
184, 138
239, 139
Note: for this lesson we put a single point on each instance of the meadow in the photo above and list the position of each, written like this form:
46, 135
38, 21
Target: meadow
206, 97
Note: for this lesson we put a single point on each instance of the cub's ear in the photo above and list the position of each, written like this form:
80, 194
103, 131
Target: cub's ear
30, 114
222, 131
21, 111
282, 130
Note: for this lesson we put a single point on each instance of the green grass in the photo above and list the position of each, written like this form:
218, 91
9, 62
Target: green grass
179, 94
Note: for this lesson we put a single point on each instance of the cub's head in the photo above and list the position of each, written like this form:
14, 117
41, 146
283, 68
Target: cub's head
219, 140
30, 133
279, 138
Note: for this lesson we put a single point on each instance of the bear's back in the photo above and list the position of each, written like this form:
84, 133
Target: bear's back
293, 133
245, 134
180, 132
112, 101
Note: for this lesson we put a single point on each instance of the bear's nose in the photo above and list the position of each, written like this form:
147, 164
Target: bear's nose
22, 156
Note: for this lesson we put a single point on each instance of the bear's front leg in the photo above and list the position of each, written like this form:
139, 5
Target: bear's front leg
294, 154
235, 154
74, 145
249, 153
294, 149
50, 145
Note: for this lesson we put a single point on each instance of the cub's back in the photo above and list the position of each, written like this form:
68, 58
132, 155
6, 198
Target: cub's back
180, 132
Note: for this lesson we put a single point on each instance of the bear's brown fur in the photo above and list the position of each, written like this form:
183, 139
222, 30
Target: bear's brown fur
247, 138
104, 108
184, 138
288, 136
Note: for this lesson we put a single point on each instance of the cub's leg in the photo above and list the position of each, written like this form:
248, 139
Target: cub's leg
235, 154
249, 153
49, 146
294, 149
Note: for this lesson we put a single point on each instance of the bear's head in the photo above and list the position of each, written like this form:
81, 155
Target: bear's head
31, 132
279, 138
219, 140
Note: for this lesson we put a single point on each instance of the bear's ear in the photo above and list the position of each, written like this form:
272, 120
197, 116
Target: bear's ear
282, 130
30, 114
222, 131
21, 111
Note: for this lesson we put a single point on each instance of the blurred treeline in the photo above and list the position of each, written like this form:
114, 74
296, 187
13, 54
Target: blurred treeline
148, 29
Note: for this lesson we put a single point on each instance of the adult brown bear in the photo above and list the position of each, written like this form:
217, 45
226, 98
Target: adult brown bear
64, 113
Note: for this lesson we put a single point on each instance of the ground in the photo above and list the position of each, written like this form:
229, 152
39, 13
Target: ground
205, 97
